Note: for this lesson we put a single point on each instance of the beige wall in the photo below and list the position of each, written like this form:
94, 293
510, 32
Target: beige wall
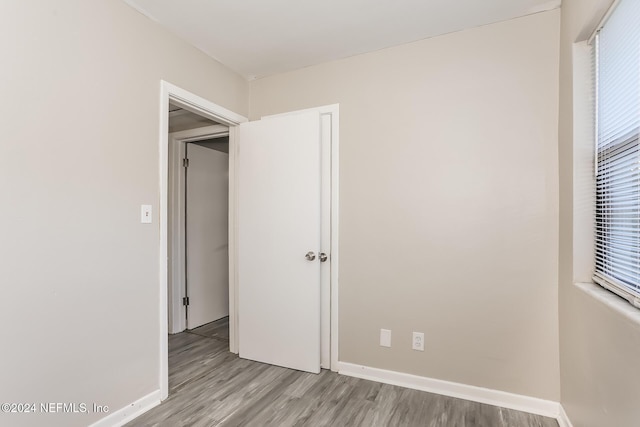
80, 86
451, 230
599, 343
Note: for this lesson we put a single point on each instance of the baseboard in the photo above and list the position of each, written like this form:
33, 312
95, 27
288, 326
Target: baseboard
129, 412
503, 399
563, 418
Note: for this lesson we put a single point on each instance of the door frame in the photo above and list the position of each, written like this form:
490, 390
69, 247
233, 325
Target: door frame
205, 108
195, 104
177, 289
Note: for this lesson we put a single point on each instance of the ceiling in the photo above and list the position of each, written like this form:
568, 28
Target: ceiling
257, 38
181, 119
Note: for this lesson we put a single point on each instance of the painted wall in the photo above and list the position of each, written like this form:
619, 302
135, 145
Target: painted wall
453, 231
599, 333
80, 86
434, 238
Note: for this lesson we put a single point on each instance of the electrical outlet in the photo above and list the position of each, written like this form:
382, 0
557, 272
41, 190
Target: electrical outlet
385, 338
418, 341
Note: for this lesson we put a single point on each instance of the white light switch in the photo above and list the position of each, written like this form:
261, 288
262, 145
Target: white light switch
145, 214
385, 337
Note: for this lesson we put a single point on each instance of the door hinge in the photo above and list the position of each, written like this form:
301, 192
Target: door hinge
185, 301
185, 163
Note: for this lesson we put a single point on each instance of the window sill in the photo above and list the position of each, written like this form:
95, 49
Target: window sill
611, 300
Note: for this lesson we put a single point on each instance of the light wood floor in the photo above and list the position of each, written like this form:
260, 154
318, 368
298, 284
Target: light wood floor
208, 386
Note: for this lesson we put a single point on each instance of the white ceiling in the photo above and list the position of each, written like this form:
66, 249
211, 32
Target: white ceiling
181, 119
257, 38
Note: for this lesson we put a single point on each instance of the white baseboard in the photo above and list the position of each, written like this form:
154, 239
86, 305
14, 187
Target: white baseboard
518, 402
129, 412
563, 418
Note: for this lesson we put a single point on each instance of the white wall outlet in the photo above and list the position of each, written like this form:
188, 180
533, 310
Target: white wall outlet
145, 214
418, 341
385, 338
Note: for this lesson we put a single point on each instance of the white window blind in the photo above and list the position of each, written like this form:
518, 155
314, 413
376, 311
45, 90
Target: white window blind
617, 246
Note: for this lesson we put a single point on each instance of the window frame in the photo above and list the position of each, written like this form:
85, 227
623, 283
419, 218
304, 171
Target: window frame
600, 276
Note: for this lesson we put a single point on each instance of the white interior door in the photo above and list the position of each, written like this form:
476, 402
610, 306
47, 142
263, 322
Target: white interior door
207, 223
279, 218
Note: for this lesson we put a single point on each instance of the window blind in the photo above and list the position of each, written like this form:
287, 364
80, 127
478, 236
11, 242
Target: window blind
617, 234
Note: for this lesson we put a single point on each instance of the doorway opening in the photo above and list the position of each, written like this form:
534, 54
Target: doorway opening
198, 217
171, 97
198, 237
233, 124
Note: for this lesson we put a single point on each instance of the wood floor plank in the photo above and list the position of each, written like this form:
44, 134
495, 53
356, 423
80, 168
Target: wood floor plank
218, 329
208, 386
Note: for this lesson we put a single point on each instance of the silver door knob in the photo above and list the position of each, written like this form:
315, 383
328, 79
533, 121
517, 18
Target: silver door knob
322, 256
310, 256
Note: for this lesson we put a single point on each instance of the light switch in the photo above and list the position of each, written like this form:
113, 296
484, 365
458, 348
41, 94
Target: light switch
145, 214
385, 337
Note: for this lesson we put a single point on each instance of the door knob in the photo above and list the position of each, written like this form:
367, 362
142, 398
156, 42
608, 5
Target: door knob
310, 256
322, 256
